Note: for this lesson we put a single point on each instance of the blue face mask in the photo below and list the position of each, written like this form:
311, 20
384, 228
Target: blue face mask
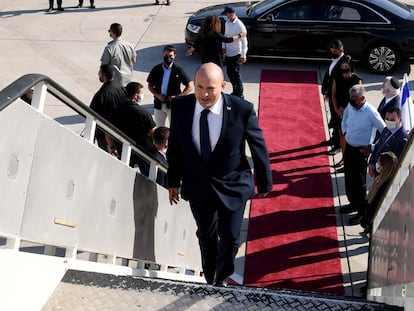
226, 18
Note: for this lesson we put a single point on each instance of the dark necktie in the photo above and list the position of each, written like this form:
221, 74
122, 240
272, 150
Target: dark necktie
205, 145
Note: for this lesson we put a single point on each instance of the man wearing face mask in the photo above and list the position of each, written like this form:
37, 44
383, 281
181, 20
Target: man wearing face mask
164, 82
338, 56
360, 122
393, 138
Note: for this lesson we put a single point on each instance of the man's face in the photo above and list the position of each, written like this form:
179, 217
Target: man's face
169, 57
111, 34
100, 76
231, 16
393, 117
356, 101
208, 87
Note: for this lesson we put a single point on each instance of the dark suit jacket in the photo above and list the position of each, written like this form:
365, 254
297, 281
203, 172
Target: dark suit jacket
178, 76
395, 143
393, 103
228, 171
161, 176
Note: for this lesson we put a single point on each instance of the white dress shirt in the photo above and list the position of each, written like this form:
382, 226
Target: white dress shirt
215, 122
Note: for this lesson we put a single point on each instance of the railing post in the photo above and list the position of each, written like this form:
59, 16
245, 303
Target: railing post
89, 131
39, 96
126, 153
152, 174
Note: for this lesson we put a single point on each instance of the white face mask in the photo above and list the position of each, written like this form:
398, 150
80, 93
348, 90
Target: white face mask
377, 168
390, 124
140, 98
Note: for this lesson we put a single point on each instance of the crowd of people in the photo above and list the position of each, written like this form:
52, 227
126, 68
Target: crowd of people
370, 139
204, 157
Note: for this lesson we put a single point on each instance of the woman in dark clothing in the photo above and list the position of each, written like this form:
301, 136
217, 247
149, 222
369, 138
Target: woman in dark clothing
345, 79
209, 41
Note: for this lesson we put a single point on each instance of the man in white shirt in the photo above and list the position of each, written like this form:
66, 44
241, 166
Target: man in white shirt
235, 51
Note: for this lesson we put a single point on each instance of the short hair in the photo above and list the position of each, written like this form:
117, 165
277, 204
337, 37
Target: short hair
116, 29
161, 134
337, 44
170, 48
132, 88
108, 71
358, 90
396, 110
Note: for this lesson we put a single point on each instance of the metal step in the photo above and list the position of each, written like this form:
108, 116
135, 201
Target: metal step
81, 290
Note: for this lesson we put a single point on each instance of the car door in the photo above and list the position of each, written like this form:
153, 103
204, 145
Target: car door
284, 29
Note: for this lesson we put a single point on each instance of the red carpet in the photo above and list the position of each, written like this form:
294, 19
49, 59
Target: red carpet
292, 238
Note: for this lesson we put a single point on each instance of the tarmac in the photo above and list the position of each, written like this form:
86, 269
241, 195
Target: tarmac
67, 46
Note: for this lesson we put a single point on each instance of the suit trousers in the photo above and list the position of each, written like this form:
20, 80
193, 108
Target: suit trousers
233, 71
218, 232
161, 115
355, 166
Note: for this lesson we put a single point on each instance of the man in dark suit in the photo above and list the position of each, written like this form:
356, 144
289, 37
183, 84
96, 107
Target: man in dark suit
206, 157
164, 82
158, 150
393, 138
338, 56
391, 90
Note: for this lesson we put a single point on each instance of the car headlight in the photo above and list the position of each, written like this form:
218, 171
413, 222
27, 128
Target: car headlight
193, 28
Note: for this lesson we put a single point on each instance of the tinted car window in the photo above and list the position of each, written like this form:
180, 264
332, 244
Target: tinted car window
296, 10
346, 11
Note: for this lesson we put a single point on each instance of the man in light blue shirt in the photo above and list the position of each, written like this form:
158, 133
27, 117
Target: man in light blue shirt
360, 122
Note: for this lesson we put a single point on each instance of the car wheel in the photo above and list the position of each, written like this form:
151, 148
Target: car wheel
382, 58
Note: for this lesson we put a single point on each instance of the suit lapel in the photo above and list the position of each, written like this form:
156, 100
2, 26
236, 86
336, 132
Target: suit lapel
226, 114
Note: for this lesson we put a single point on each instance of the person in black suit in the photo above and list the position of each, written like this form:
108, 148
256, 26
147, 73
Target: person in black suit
164, 82
206, 158
159, 149
338, 56
393, 138
391, 90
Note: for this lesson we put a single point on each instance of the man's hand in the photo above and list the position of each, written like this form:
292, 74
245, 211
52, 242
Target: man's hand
173, 195
243, 60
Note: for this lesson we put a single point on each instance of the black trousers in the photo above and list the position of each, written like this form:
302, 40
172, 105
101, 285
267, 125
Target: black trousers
218, 232
233, 71
355, 166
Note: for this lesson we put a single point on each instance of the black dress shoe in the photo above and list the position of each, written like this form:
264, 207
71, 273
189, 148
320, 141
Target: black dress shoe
347, 209
334, 150
220, 283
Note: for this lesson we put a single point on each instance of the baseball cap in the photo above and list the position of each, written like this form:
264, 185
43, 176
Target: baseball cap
228, 9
